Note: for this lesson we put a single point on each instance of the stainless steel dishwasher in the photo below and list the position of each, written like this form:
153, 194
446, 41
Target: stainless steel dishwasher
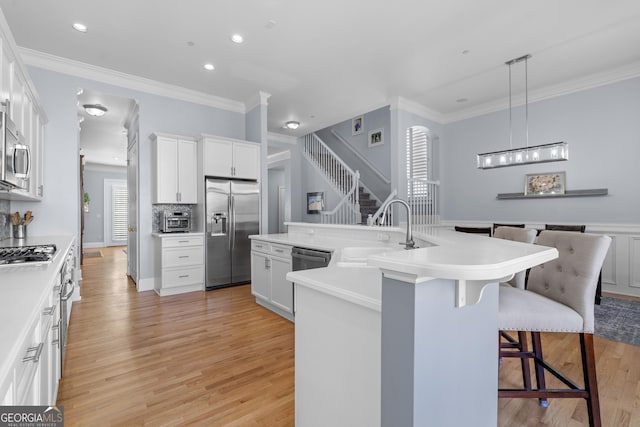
306, 259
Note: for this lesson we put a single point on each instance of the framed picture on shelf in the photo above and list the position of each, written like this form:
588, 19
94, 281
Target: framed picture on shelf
315, 202
544, 184
376, 137
357, 125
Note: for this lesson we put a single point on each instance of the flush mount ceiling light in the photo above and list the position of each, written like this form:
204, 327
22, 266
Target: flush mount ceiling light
96, 110
237, 38
209, 67
292, 125
80, 27
554, 152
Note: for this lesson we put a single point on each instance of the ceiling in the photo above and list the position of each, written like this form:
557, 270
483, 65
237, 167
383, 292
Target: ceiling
326, 61
103, 140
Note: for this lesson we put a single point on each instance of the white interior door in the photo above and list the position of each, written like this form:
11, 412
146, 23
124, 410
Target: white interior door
132, 186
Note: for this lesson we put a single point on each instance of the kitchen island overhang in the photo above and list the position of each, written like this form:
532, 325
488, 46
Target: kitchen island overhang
436, 349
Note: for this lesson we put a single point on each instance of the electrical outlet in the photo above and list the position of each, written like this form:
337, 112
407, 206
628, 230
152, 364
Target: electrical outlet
383, 236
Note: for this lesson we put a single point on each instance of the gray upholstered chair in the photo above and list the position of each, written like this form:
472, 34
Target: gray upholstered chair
525, 235
559, 298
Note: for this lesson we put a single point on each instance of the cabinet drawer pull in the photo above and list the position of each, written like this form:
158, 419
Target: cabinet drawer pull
183, 256
279, 250
183, 241
37, 350
183, 276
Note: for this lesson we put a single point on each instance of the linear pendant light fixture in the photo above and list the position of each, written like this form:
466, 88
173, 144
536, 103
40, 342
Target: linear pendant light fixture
554, 152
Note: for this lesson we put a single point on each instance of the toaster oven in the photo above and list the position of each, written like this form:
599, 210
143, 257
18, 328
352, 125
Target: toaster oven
173, 222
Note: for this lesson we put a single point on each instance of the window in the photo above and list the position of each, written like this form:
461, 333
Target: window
119, 214
418, 160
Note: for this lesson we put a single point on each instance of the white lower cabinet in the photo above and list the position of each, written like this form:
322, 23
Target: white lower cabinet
34, 375
270, 263
181, 264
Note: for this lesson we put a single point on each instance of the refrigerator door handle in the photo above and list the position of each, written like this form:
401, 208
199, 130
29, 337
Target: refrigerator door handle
233, 221
231, 225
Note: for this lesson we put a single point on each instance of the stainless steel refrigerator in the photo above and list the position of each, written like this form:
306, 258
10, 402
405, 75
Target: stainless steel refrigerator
232, 216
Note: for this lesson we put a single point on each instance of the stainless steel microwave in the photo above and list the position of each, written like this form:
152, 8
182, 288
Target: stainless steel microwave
16, 157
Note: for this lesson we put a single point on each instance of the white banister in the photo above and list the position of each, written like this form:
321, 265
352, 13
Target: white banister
376, 216
423, 199
340, 176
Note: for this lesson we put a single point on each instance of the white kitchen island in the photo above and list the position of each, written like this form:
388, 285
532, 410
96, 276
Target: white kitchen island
390, 337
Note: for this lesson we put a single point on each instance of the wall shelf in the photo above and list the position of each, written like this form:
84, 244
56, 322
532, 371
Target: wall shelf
571, 193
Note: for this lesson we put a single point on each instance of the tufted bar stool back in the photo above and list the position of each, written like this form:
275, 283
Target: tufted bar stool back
559, 298
571, 279
524, 235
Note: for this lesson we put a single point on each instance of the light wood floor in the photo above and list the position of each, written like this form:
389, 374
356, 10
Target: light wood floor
218, 359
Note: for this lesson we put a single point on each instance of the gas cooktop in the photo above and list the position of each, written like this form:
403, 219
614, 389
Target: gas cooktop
27, 254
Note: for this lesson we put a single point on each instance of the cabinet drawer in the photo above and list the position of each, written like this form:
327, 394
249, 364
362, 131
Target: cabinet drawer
260, 246
180, 257
175, 277
176, 242
283, 251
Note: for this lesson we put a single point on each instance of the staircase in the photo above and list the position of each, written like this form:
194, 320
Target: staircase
368, 206
341, 177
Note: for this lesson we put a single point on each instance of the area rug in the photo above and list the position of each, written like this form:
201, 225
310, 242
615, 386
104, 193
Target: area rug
618, 319
92, 254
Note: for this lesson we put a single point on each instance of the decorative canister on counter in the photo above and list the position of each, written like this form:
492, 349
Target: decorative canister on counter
19, 231
20, 225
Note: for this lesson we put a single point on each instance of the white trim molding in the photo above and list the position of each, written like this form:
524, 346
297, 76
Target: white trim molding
46, 61
626, 72
260, 98
403, 104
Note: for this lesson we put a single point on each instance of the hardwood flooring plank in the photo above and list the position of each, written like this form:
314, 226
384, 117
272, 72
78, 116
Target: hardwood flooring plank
218, 359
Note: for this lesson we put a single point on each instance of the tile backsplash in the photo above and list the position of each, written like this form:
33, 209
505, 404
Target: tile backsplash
5, 229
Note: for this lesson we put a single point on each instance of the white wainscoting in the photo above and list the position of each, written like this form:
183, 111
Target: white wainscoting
621, 269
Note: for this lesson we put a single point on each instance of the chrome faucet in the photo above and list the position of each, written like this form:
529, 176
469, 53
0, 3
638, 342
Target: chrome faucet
409, 244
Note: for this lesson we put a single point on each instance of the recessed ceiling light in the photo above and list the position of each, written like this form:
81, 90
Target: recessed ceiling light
292, 124
209, 67
237, 38
96, 110
80, 27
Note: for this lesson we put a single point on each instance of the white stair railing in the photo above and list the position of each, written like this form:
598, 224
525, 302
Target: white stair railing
342, 178
423, 199
376, 216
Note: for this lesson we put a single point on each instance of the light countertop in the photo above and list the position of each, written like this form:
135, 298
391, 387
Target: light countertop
23, 289
354, 272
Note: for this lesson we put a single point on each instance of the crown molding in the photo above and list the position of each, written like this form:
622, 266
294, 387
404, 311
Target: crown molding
279, 157
404, 104
279, 137
260, 98
90, 166
104, 75
604, 78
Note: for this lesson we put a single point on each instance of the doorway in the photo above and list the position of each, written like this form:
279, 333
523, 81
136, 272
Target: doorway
108, 126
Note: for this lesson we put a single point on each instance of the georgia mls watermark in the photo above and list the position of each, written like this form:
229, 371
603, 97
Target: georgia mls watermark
31, 416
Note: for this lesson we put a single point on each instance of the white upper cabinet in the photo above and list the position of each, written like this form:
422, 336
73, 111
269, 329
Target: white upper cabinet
230, 158
20, 100
175, 169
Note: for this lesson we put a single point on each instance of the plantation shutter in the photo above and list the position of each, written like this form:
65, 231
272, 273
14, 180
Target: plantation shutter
417, 159
119, 214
